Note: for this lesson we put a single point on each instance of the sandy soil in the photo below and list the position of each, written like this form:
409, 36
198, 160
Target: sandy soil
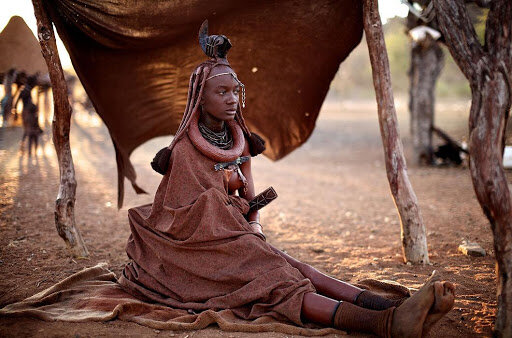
334, 211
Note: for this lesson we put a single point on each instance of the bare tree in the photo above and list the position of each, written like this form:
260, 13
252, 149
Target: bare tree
488, 69
427, 60
414, 240
65, 203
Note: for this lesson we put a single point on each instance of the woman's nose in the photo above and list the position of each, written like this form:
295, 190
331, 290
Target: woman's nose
232, 98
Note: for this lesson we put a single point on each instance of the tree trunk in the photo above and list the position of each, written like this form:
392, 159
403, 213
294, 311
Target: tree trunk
488, 70
426, 63
414, 240
65, 203
489, 108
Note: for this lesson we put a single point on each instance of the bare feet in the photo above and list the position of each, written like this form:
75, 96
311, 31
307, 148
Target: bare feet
444, 298
408, 318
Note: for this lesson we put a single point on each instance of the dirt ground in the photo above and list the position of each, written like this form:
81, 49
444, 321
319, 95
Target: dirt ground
334, 211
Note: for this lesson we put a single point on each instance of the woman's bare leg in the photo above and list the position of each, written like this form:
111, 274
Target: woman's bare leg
405, 321
325, 285
318, 309
346, 316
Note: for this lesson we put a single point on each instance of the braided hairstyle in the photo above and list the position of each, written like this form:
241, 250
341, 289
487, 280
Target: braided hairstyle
216, 47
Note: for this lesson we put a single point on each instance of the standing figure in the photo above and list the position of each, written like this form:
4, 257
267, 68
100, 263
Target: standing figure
6, 103
44, 86
29, 116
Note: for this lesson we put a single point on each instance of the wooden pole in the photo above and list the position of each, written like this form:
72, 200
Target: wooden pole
488, 69
426, 63
65, 203
414, 240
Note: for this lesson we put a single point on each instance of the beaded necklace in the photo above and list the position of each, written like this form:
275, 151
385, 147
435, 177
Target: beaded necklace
222, 139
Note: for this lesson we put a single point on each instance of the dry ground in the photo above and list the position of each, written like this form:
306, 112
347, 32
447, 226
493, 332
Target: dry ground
334, 211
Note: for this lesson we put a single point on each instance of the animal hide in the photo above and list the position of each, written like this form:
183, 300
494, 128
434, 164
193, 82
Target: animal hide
135, 57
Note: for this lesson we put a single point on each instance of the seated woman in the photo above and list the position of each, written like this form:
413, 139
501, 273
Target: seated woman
197, 247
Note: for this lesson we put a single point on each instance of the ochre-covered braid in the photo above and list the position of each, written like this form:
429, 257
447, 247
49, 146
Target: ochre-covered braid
195, 91
198, 80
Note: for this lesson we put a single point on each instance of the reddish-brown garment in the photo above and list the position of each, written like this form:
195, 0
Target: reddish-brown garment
193, 249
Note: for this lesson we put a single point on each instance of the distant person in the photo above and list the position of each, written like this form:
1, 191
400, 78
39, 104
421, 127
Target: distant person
43, 88
87, 105
71, 81
6, 103
29, 116
20, 81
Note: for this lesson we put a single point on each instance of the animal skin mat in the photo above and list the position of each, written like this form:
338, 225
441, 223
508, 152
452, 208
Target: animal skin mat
93, 294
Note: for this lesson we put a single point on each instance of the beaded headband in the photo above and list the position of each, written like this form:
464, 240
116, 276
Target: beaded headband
237, 80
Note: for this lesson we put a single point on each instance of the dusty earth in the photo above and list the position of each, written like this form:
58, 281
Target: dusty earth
334, 211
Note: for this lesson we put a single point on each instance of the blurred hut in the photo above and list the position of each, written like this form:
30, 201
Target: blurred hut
20, 49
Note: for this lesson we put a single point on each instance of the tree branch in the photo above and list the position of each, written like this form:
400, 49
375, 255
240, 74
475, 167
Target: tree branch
459, 33
498, 32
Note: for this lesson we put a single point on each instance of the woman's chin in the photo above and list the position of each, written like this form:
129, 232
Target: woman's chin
229, 116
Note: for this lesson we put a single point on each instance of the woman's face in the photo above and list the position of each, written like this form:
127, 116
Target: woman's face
220, 95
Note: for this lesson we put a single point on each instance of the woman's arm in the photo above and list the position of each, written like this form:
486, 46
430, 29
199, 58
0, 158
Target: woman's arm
249, 192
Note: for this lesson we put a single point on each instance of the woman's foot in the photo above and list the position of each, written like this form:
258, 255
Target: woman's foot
444, 297
408, 318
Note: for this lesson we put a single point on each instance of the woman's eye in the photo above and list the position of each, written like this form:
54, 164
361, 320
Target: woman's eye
236, 91
222, 92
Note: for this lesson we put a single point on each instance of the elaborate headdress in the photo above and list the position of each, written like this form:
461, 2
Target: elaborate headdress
216, 48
